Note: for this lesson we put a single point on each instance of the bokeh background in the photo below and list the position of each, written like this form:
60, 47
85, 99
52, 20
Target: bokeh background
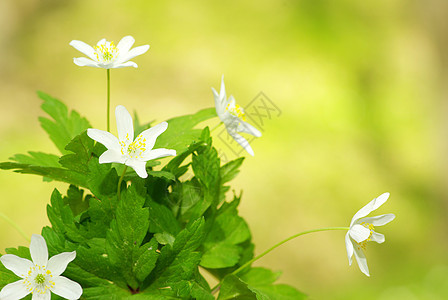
362, 90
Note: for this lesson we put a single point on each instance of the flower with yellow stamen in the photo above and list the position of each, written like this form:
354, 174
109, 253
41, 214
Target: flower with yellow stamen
40, 277
108, 56
127, 150
362, 231
234, 118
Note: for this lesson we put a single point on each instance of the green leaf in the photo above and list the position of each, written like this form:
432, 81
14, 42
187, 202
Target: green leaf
126, 234
161, 219
62, 127
164, 238
230, 170
147, 258
179, 262
37, 159
57, 174
62, 219
110, 292
220, 255
277, 292
228, 232
260, 276
81, 147
234, 288
181, 132
75, 199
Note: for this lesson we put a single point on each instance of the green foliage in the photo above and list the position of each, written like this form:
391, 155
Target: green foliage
150, 240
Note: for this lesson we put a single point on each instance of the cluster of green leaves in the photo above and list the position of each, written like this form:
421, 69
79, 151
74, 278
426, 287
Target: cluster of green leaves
153, 242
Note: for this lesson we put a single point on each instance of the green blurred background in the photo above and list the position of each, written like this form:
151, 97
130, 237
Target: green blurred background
362, 91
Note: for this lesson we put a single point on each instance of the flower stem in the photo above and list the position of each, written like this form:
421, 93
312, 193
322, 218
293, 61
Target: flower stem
120, 181
215, 289
17, 227
108, 100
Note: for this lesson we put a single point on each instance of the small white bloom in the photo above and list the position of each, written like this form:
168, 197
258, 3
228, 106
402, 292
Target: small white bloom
233, 117
127, 150
362, 231
41, 277
108, 56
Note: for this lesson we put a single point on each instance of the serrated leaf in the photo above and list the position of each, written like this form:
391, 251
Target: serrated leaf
220, 255
234, 288
58, 174
161, 219
146, 261
81, 147
181, 132
127, 233
230, 170
277, 292
37, 159
179, 262
62, 127
75, 199
62, 219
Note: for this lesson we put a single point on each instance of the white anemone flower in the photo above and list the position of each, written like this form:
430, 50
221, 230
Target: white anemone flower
234, 118
362, 231
127, 150
41, 277
108, 56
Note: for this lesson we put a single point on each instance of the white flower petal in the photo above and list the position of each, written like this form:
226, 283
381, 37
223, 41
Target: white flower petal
371, 206
37, 296
138, 166
18, 265
15, 290
111, 156
133, 53
247, 128
85, 62
222, 91
84, 48
158, 153
349, 247
58, 263
66, 288
106, 138
378, 220
123, 65
125, 44
359, 233
39, 250
153, 133
361, 260
101, 42
243, 142
125, 127
378, 237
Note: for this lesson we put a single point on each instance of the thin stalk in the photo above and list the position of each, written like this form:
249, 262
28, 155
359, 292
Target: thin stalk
215, 289
17, 227
108, 100
119, 183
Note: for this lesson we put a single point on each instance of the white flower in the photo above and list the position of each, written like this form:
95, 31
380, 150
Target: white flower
41, 277
362, 231
233, 117
127, 150
108, 56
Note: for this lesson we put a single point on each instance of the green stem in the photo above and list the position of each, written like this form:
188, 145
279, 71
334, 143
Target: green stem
108, 100
215, 289
17, 227
119, 183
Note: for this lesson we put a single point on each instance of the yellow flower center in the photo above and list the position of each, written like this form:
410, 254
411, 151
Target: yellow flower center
38, 280
369, 226
106, 52
236, 111
134, 149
